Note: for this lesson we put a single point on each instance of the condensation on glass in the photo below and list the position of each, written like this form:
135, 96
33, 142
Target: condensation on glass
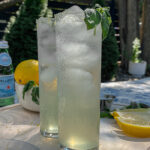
47, 77
79, 65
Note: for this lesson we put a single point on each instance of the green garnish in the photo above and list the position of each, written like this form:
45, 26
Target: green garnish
95, 16
105, 115
35, 94
35, 91
27, 87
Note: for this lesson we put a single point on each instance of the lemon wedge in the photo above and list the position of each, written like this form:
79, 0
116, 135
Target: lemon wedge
134, 122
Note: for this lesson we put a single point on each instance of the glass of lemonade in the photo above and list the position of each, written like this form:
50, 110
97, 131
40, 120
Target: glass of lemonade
47, 77
79, 65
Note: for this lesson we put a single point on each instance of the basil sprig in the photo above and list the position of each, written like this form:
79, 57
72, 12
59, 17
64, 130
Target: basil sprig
95, 16
35, 91
35, 94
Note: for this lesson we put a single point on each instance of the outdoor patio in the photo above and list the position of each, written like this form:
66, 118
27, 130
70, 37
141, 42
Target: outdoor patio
74, 75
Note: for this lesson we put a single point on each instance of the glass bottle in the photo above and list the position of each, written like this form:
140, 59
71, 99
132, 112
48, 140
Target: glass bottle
6, 76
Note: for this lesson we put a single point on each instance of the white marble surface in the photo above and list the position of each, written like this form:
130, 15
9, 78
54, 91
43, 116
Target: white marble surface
127, 91
19, 124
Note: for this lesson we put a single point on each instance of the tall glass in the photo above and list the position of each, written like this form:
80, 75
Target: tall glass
47, 77
79, 65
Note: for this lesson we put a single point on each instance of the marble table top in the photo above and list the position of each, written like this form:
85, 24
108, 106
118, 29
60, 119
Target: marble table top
127, 91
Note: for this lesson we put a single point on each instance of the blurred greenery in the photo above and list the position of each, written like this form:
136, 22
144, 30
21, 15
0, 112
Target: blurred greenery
22, 36
106, 114
110, 55
21, 30
141, 2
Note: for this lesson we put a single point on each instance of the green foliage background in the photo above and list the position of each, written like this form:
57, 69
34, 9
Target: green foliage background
21, 30
110, 55
22, 37
110, 52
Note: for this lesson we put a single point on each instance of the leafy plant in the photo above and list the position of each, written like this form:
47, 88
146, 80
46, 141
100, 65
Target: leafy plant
136, 51
135, 105
35, 91
21, 31
95, 16
110, 55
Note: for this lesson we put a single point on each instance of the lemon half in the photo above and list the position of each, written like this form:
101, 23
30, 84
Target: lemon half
26, 71
134, 122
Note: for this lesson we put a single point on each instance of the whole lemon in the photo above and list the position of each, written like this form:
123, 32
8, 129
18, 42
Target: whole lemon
26, 71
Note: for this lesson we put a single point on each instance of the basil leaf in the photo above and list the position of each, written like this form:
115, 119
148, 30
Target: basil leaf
105, 26
106, 21
98, 15
27, 87
97, 6
35, 94
92, 18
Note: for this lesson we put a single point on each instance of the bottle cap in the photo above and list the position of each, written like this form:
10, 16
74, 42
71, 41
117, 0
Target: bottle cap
4, 44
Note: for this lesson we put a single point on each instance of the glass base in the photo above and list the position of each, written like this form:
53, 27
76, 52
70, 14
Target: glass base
66, 148
49, 135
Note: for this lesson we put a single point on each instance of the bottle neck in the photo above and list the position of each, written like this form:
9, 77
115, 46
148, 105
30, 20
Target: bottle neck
6, 67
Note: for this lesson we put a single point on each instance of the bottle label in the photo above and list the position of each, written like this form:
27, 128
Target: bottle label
7, 86
5, 59
6, 101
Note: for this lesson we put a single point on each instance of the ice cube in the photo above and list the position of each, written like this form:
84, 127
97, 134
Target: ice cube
75, 10
79, 55
46, 41
78, 83
70, 26
48, 74
69, 21
47, 59
43, 26
77, 47
71, 14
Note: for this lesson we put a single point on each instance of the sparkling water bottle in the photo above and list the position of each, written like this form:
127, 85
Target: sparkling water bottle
6, 76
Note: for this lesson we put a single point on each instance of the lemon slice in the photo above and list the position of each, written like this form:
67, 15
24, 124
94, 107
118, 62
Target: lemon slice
128, 113
134, 122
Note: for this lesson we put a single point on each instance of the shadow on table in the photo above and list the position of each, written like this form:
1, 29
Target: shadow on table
44, 143
122, 136
19, 116
6, 144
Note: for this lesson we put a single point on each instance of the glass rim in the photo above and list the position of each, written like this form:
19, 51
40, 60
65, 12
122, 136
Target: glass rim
46, 20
